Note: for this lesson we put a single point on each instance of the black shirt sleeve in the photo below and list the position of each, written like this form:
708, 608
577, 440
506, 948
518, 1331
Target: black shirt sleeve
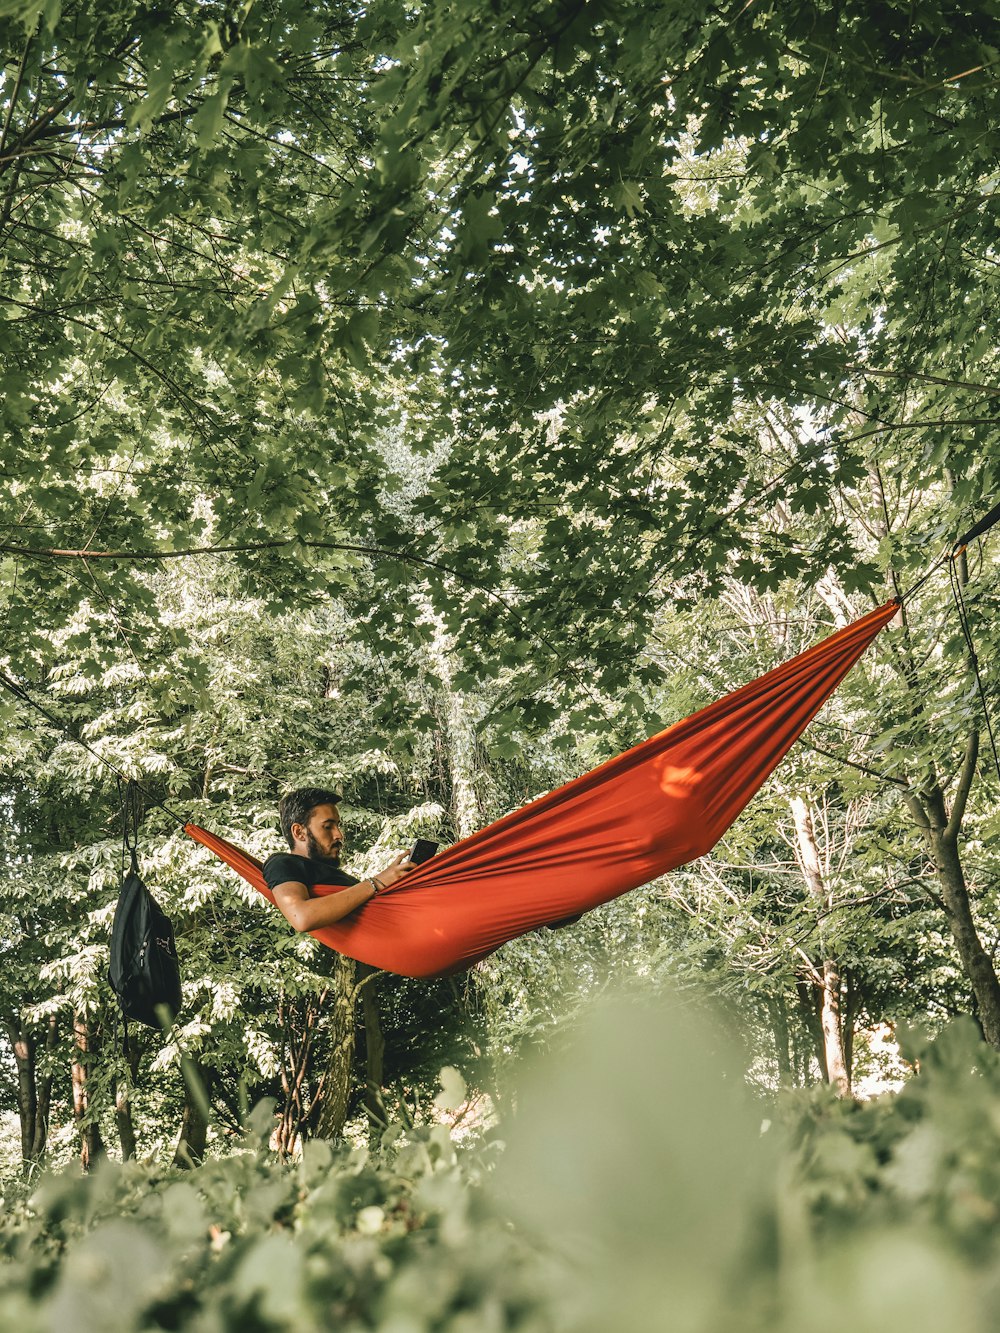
285, 866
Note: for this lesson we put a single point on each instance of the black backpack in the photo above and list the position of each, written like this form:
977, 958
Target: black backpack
143, 971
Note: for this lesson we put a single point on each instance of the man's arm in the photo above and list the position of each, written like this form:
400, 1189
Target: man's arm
306, 913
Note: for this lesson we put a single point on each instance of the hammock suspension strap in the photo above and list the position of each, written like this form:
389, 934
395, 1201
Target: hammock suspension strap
132, 814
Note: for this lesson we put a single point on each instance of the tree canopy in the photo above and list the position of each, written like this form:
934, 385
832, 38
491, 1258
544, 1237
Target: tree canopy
628, 275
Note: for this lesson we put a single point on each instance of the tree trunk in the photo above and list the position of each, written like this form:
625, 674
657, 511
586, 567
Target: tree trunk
940, 829
300, 1022
828, 978
459, 735
43, 1082
837, 1071
86, 1044
778, 1015
852, 1004
191, 1142
123, 1119
333, 1094
805, 988
374, 1053
940, 832
462, 766
22, 1043
122, 1089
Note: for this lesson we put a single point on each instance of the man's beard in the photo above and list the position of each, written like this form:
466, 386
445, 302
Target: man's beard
316, 851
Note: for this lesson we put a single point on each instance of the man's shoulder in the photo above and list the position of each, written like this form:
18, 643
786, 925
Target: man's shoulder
285, 867
281, 867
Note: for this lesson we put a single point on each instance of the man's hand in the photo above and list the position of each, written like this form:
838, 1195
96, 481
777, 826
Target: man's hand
396, 871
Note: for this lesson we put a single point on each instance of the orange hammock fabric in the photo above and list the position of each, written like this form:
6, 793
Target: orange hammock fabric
655, 807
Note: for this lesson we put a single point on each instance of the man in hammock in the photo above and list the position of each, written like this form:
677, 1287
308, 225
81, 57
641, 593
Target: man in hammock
310, 821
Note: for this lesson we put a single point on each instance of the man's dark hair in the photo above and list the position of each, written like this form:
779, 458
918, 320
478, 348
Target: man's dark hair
296, 807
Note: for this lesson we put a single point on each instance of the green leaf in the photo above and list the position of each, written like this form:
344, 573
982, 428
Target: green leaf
209, 119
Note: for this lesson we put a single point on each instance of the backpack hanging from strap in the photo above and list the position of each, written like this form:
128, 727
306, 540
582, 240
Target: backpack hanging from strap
143, 972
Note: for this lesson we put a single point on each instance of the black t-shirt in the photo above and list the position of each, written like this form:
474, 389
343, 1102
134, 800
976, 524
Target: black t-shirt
307, 870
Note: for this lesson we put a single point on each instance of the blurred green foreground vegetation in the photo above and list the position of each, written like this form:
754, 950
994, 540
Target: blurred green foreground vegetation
628, 1192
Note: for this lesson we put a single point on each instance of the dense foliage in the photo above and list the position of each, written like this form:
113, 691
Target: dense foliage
629, 274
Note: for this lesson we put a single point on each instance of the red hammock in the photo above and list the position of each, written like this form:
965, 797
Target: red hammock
655, 807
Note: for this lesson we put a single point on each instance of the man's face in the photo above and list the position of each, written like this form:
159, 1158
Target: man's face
323, 833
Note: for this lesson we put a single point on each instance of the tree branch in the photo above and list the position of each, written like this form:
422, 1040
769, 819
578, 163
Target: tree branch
862, 768
917, 811
15, 94
965, 779
924, 379
59, 553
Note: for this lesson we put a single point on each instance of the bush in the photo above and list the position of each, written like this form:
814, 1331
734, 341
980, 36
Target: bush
247, 1243
643, 1185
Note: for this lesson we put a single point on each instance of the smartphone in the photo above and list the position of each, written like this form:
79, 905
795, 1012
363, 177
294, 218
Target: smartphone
422, 850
